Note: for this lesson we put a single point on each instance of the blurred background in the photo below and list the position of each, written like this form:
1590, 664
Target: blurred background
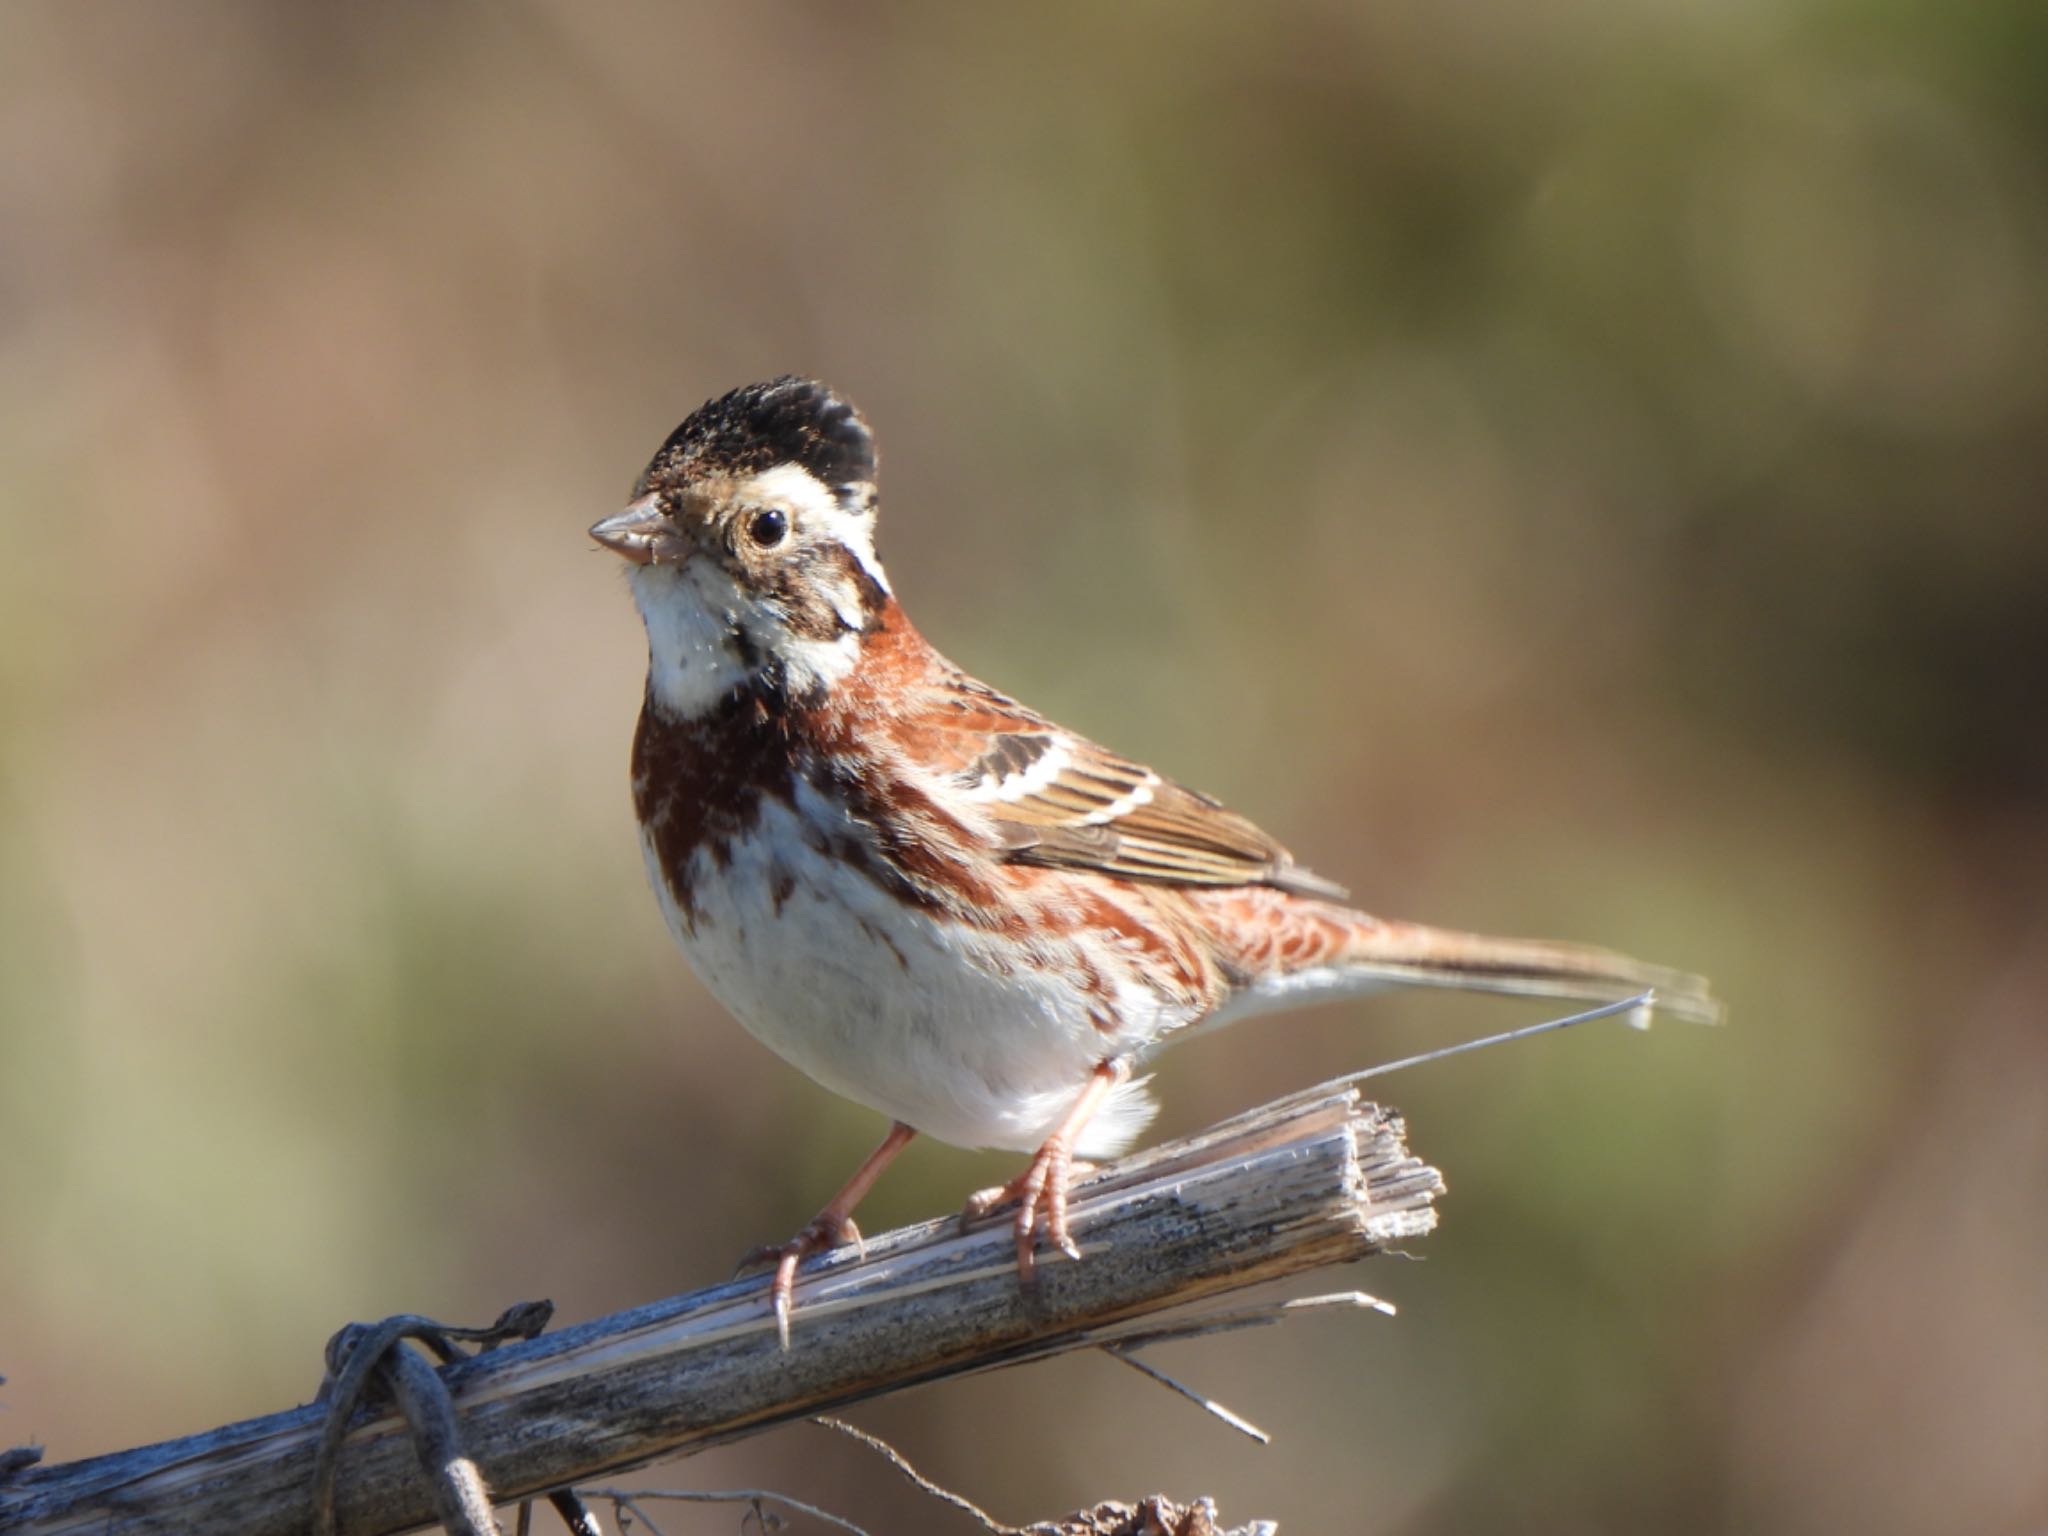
1576, 469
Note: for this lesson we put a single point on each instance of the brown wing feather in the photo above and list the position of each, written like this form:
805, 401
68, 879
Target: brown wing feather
1062, 802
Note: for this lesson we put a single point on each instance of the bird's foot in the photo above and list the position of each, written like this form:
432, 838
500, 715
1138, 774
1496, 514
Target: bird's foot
1039, 1193
830, 1228
827, 1230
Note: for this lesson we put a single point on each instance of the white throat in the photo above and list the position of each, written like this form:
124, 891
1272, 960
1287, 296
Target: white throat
706, 640
693, 654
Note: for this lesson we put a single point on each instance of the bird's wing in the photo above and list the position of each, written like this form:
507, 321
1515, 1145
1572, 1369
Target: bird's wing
1058, 800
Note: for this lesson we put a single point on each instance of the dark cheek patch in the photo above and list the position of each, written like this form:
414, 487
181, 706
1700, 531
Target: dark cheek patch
799, 588
804, 584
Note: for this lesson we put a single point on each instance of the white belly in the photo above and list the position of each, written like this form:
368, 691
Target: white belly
904, 1011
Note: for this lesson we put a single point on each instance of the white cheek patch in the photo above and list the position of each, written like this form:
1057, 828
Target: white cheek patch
1027, 780
845, 602
821, 663
815, 510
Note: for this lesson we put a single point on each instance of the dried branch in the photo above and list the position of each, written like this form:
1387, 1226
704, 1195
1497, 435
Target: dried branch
924, 1485
1318, 1178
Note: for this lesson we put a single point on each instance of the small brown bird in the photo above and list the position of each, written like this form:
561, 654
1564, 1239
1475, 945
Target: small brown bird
932, 900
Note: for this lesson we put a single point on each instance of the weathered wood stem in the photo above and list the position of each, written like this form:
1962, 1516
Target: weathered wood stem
1318, 1178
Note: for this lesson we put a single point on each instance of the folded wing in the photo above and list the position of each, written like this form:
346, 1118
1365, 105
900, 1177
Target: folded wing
1060, 801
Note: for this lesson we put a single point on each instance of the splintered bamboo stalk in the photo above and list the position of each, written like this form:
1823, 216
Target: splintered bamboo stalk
1318, 1178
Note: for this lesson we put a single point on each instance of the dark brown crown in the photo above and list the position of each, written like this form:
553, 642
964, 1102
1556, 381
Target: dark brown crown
785, 421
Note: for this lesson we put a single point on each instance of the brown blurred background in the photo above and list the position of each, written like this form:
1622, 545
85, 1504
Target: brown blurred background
1576, 468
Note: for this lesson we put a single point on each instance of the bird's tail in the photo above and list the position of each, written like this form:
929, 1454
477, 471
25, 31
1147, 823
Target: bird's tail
1284, 951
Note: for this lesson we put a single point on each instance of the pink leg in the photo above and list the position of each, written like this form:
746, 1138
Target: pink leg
828, 1229
1042, 1187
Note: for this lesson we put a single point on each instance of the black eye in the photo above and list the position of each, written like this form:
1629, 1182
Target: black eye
768, 528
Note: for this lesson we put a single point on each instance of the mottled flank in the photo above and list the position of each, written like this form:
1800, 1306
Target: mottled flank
785, 421
1264, 932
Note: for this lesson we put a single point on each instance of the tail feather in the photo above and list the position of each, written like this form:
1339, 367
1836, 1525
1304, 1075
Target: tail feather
1416, 955
1288, 950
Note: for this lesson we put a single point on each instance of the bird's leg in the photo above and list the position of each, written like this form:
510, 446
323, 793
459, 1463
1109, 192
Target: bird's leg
1042, 1187
828, 1229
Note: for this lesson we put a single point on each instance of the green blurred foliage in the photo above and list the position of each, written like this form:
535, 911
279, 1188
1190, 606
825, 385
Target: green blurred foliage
1576, 468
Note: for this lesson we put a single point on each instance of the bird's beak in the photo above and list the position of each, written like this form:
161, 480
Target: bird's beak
644, 534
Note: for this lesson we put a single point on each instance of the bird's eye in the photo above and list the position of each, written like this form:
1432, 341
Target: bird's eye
769, 528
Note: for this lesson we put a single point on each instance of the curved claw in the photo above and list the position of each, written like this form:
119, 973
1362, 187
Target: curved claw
828, 1229
825, 1232
1040, 1190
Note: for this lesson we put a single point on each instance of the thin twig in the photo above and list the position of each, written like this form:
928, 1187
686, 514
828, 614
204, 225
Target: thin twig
1205, 1324
626, 1510
1123, 1347
901, 1463
1208, 1405
1637, 1008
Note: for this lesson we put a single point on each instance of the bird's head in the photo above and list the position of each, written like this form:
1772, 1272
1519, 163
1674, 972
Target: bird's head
751, 546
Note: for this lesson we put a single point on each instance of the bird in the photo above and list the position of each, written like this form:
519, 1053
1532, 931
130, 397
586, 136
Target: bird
930, 898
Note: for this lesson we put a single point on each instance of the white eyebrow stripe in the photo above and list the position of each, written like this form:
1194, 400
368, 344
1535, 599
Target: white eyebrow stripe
1040, 772
1123, 805
811, 501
